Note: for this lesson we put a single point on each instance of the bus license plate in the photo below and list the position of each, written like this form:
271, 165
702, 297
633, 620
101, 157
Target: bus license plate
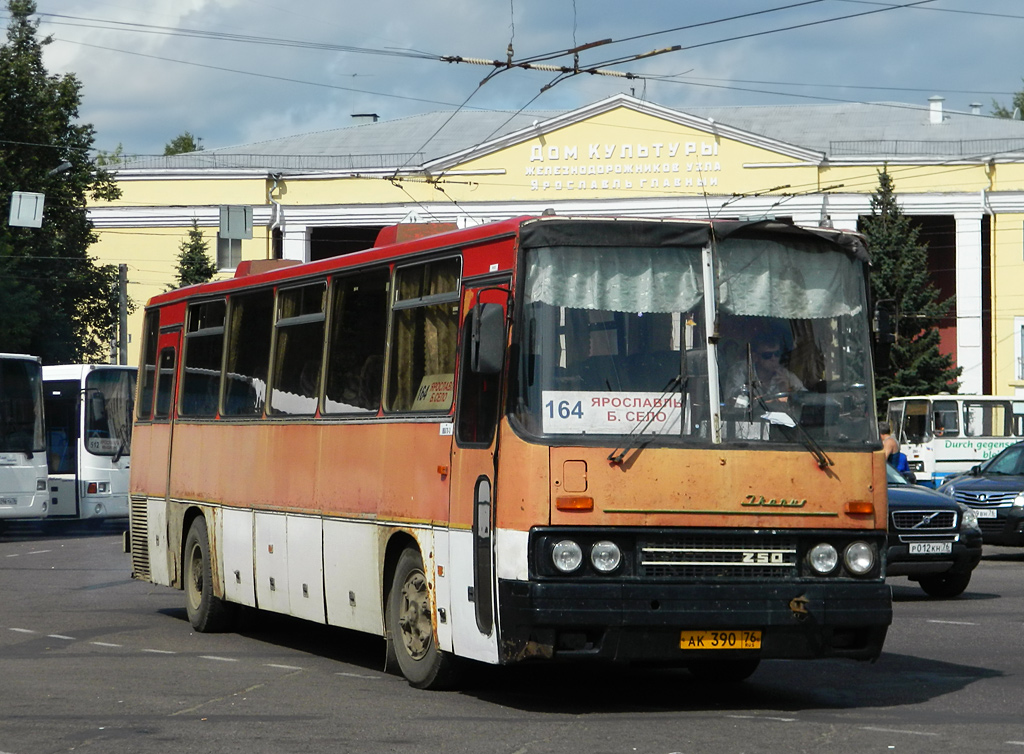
720, 640
931, 548
8, 501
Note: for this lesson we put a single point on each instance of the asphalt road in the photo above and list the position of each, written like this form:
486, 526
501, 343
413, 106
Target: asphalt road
91, 661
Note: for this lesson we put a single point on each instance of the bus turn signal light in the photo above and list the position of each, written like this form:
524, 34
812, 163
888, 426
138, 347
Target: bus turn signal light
575, 503
860, 508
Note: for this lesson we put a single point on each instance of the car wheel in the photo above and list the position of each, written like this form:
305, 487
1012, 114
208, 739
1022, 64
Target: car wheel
945, 585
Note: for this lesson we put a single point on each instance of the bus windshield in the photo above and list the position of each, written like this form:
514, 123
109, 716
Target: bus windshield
21, 414
109, 394
620, 340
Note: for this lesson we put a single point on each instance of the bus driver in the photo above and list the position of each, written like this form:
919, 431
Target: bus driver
769, 376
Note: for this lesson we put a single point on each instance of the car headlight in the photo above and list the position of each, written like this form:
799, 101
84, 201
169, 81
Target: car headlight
823, 558
605, 556
1018, 502
859, 558
567, 556
947, 489
968, 518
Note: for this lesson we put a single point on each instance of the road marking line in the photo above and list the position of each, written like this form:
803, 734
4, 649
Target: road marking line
38, 552
761, 717
160, 651
22, 630
218, 659
1015, 743
283, 667
953, 622
897, 730
60, 636
105, 644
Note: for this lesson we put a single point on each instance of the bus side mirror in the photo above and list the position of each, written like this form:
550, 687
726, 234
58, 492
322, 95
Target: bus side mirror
885, 321
487, 338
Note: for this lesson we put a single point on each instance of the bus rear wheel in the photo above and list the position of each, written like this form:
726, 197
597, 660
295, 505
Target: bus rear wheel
206, 613
410, 629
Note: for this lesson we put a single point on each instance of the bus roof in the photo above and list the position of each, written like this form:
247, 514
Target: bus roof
390, 244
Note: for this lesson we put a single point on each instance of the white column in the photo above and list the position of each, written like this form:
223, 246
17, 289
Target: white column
295, 242
969, 352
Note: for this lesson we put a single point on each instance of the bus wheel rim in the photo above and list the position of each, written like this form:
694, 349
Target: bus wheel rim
414, 617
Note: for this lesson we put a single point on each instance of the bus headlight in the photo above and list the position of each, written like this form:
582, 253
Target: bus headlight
567, 556
605, 556
859, 558
41, 485
97, 488
823, 558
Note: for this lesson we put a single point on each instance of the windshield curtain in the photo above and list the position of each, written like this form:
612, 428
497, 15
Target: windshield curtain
621, 280
795, 280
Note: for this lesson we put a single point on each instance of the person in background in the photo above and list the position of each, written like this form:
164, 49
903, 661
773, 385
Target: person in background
890, 446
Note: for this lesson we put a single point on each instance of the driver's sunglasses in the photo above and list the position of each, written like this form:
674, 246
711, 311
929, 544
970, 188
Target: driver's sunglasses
770, 354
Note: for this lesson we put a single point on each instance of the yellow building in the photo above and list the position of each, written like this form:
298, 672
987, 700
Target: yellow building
959, 174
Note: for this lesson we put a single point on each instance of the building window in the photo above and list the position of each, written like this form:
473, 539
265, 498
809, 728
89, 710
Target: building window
229, 253
1018, 348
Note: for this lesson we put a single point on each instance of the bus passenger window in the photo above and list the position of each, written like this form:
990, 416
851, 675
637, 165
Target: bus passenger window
425, 331
151, 333
944, 417
204, 344
300, 347
355, 356
250, 325
165, 384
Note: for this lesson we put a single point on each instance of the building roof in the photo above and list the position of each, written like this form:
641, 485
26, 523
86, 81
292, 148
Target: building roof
843, 131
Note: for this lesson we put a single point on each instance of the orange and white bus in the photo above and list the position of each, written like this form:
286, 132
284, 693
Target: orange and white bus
520, 441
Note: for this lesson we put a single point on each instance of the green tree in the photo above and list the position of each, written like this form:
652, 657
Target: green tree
899, 273
117, 157
55, 300
194, 265
182, 143
1017, 105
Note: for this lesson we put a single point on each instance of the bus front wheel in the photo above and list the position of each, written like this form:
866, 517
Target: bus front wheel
410, 629
206, 613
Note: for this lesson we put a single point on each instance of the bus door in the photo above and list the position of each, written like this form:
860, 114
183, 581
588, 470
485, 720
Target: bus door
63, 403
474, 454
150, 477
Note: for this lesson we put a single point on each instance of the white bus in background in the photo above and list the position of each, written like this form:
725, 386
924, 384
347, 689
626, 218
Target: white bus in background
22, 445
948, 434
88, 439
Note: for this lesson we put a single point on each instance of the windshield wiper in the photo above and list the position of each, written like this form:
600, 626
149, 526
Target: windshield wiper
783, 419
617, 456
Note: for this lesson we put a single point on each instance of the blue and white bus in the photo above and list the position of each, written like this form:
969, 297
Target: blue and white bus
88, 437
948, 434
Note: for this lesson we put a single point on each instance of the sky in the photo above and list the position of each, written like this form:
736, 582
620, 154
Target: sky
232, 73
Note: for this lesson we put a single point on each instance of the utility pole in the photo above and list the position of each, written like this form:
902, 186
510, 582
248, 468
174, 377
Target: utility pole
122, 312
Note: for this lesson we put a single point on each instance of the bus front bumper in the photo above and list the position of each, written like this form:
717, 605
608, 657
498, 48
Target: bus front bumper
638, 623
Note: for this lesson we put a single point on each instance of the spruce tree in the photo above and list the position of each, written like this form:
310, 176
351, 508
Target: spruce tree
194, 265
55, 300
899, 273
